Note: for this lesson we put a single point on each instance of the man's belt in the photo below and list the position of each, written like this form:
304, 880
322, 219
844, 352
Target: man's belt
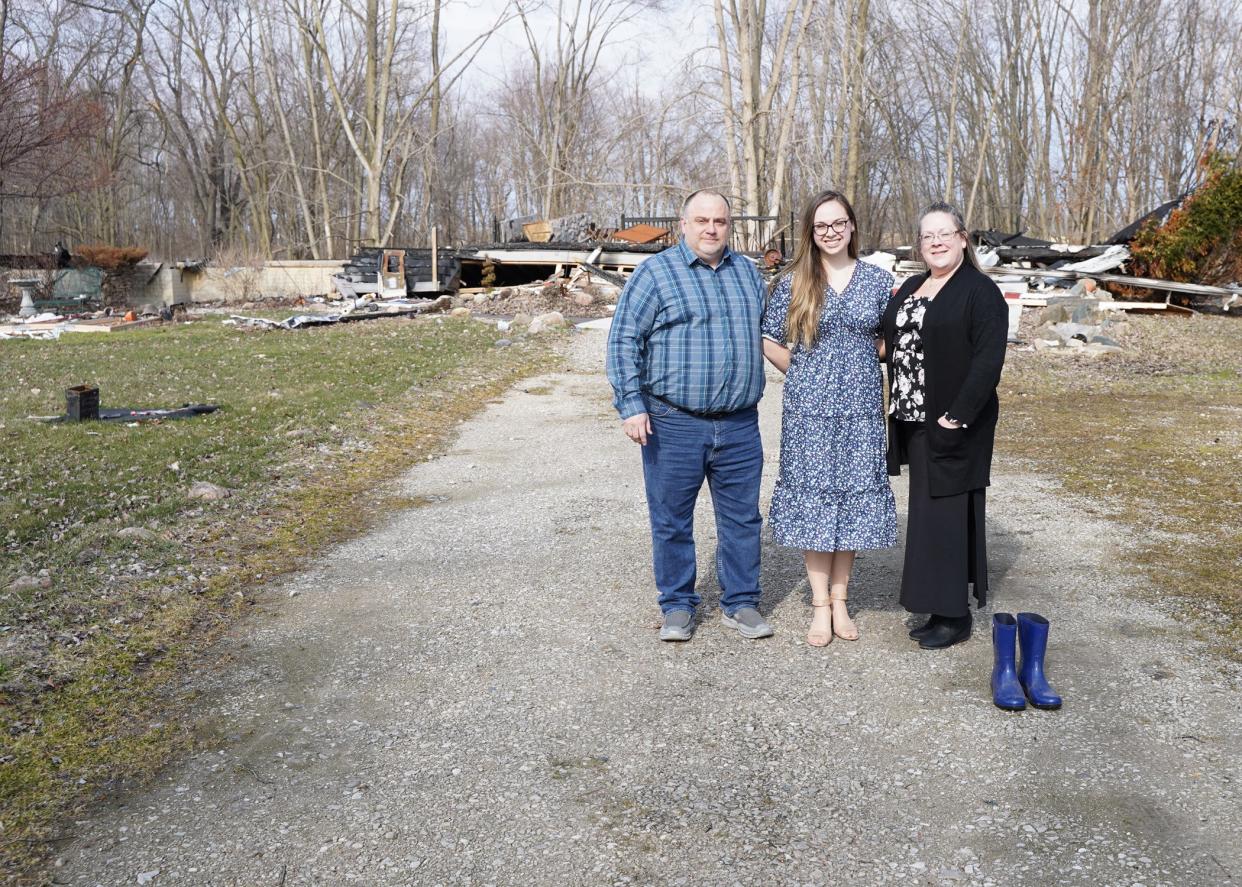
698, 414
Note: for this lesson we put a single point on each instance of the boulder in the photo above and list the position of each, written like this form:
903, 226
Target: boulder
1065, 309
550, 321
582, 300
460, 312
521, 319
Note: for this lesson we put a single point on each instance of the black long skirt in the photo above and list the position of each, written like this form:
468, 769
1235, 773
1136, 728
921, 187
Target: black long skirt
946, 540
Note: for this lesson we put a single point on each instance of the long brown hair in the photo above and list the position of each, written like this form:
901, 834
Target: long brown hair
808, 278
959, 227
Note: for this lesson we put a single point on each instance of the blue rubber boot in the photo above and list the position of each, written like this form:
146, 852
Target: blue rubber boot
1033, 639
1006, 691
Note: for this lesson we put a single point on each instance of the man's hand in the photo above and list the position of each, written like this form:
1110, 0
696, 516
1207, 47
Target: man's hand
637, 427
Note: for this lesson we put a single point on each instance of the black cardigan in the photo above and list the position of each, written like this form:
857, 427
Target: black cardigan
964, 333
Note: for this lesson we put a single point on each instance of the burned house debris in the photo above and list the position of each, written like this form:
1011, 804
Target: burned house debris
569, 265
399, 272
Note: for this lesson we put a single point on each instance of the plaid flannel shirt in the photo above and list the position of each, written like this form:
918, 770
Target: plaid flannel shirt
689, 334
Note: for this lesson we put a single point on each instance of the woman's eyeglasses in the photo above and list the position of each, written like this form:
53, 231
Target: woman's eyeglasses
821, 229
938, 237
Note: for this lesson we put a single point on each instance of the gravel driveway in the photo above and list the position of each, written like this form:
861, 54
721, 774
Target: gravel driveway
474, 694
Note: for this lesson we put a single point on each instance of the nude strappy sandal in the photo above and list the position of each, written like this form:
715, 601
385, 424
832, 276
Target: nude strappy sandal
820, 637
833, 599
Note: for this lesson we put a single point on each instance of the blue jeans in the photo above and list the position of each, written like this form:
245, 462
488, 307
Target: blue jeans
681, 451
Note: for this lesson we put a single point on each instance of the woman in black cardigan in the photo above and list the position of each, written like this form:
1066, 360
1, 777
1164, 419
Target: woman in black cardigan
944, 341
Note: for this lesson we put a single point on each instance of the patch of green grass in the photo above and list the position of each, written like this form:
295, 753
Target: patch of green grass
313, 424
1154, 439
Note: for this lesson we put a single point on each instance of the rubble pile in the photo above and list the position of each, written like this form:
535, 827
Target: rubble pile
583, 297
1079, 322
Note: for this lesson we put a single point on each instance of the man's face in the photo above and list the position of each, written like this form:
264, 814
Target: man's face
705, 225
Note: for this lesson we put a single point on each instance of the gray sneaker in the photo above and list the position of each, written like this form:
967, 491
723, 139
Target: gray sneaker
748, 622
678, 626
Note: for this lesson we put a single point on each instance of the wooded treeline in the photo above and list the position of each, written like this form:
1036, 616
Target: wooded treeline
301, 128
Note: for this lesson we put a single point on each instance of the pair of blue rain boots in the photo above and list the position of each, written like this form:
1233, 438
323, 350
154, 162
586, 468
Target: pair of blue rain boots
1013, 686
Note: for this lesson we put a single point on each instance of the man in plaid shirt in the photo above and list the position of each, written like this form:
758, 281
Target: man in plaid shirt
685, 361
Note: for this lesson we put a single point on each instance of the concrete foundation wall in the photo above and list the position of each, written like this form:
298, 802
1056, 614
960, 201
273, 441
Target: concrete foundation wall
172, 286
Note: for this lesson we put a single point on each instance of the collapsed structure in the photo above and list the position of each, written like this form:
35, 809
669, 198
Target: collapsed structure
569, 264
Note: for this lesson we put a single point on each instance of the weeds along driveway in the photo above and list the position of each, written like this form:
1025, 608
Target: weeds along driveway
474, 694
114, 576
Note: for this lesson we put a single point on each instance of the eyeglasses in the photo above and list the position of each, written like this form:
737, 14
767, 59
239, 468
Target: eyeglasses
938, 236
821, 229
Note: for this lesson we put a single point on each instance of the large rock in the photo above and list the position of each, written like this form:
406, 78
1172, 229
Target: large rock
1064, 309
550, 321
460, 312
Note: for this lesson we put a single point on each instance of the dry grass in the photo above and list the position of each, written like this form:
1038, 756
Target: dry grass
1152, 438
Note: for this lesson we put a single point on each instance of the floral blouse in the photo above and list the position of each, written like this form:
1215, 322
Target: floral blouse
906, 402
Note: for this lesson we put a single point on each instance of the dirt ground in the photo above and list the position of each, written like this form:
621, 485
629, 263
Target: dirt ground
474, 694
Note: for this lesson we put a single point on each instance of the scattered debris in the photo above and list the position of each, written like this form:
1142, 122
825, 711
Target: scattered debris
537, 232
186, 411
398, 272
615, 279
82, 403
584, 294
600, 323
643, 234
884, 260
134, 416
1076, 323
1068, 276
363, 309
50, 326
1113, 257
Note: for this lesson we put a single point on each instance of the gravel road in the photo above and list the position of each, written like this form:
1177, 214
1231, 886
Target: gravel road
474, 694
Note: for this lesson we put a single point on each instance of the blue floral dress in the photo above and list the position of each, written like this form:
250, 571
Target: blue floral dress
833, 492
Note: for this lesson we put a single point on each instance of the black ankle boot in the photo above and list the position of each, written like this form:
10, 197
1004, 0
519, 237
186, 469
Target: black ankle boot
917, 634
949, 631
